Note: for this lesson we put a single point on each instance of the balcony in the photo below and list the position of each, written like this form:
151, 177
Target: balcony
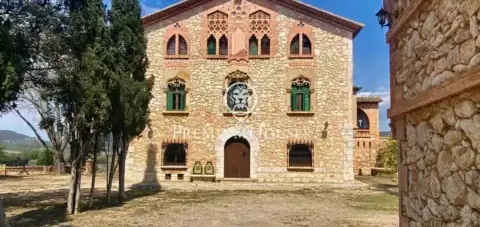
362, 133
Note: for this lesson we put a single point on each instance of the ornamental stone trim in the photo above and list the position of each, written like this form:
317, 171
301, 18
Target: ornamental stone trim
224, 136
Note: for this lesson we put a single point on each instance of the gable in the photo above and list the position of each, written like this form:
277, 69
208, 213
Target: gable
302, 8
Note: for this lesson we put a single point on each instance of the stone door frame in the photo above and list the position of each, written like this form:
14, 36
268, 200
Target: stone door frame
224, 136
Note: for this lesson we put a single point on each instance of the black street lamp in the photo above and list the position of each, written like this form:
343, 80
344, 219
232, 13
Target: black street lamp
384, 18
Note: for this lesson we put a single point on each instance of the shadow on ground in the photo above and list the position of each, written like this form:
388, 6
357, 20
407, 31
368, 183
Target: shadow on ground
383, 184
46, 208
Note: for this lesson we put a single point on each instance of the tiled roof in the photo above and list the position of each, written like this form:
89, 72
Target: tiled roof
369, 99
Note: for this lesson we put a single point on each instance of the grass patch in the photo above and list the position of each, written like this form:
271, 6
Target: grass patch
385, 202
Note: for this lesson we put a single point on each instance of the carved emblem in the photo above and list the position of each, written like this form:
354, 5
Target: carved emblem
301, 82
197, 168
176, 82
209, 169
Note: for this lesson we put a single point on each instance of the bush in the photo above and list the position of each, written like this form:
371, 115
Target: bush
388, 156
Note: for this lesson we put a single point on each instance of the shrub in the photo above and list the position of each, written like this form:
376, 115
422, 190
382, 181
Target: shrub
388, 156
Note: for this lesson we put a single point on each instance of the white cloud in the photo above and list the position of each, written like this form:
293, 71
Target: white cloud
381, 92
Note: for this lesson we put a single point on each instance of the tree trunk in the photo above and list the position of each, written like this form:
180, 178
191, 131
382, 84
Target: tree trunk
3, 218
111, 175
73, 189
94, 173
79, 183
121, 174
58, 162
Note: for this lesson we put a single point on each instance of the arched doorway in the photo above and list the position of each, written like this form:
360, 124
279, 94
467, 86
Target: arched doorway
237, 158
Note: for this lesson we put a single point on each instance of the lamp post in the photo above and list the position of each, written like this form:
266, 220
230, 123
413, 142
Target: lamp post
384, 18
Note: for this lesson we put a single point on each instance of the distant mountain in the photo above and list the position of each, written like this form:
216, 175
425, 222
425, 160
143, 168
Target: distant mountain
14, 141
385, 133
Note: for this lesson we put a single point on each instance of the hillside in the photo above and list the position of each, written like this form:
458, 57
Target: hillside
13, 141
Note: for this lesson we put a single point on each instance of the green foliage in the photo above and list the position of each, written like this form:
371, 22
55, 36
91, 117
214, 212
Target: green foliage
388, 156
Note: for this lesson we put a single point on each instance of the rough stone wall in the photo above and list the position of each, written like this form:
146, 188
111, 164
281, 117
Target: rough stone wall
366, 149
442, 156
439, 142
333, 155
440, 43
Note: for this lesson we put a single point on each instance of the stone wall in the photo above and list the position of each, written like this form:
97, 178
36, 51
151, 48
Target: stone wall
205, 124
434, 46
438, 44
442, 156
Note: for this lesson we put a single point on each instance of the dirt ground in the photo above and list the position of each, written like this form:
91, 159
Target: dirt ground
40, 201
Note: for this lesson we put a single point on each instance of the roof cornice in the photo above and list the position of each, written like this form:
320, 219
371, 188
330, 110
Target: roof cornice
298, 6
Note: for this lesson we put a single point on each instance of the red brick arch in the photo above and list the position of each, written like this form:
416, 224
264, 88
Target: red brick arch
176, 30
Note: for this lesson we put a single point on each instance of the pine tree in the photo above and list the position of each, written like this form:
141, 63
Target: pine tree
131, 94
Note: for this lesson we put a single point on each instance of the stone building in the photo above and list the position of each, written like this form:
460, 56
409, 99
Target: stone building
258, 90
367, 141
435, 100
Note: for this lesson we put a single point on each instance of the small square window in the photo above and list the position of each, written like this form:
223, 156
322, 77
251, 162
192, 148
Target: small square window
168, 176
180, 177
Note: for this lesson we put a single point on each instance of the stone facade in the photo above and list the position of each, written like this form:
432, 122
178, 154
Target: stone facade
435, 78
205, 125
367, 140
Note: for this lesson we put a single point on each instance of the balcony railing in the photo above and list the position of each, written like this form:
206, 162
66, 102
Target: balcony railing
362, 133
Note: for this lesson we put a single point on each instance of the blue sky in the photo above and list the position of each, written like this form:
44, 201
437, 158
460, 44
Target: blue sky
371, 67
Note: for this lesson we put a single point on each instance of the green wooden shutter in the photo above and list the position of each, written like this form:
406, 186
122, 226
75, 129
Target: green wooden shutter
182, 99
212, 46
169, 100
293, 98
306, 98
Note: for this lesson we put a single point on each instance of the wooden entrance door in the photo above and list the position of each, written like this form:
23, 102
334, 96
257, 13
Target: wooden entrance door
237, 159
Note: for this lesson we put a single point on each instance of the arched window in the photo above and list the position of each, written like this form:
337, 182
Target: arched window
300, 155
212, 45
176, 95
300, 95
265, 45
223, 45
182, 45
171, 46
175, 155
362, 120
307, 45
253, 45
295, 45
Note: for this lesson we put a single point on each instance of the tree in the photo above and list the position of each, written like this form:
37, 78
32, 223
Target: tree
389, 155
14, 55
52, 121
82, 89
131, 91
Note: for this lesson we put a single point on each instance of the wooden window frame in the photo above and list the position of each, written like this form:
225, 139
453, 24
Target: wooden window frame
301, 29
179, 76
176, 30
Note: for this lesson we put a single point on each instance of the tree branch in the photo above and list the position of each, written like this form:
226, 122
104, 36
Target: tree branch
33, 128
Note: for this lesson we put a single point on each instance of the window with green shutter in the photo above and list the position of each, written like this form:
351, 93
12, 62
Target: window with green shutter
176, 96
212, 45
253, 47
300, 98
